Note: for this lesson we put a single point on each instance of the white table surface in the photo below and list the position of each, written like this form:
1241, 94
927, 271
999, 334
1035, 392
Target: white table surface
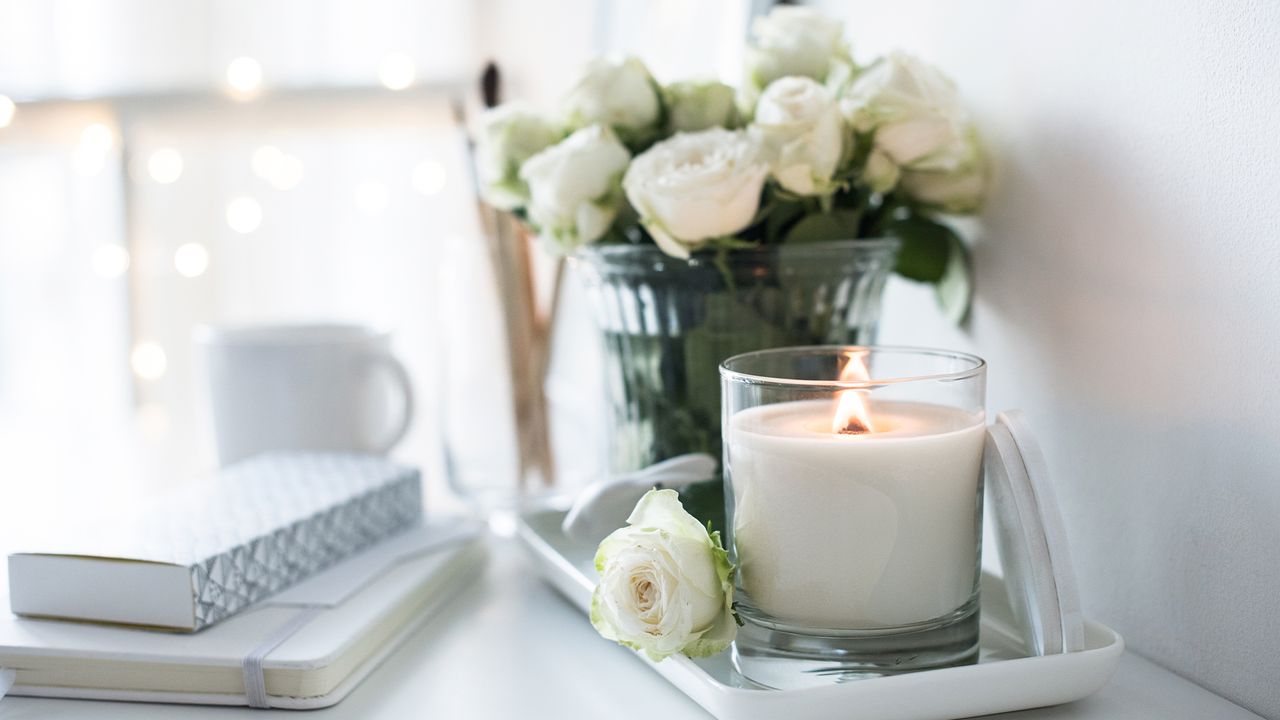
510, 647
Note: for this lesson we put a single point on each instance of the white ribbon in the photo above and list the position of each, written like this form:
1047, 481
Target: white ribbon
7, 677
602, 507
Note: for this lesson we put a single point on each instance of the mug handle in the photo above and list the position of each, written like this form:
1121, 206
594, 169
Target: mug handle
401, 377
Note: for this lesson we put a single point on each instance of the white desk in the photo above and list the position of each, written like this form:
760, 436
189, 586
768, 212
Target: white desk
510, 647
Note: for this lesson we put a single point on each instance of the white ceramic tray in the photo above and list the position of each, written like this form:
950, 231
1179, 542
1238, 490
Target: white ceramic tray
1004, 679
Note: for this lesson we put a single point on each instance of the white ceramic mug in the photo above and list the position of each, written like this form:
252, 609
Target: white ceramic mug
304, 387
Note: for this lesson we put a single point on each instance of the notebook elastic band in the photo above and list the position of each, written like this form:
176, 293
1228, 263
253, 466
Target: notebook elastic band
255, 683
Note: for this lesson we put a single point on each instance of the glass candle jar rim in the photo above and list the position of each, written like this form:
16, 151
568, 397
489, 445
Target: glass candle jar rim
978, 366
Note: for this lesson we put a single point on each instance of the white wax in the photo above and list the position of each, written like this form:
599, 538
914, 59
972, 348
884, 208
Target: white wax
856, 531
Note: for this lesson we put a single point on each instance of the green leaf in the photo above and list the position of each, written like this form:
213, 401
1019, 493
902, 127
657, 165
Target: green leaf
954, 289
783, 214
834, 225
705, 501
926, 248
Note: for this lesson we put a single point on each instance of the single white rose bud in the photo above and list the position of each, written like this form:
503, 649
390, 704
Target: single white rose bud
666, 584
695, 187
696, 105
913, 115
791, 40
618, 92
912, 108
921, 143
959, 186
799, 126
508, 135
573, 187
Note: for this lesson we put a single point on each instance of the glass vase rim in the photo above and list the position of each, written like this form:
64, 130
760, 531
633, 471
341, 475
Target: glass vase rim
977, 368
884, 242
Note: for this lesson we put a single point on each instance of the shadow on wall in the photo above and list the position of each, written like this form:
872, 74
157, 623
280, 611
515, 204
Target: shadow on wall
1101, 293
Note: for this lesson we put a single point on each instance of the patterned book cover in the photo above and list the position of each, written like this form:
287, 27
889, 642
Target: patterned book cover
247, 532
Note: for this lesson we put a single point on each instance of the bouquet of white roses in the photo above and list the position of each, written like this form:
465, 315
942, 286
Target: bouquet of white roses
812, 147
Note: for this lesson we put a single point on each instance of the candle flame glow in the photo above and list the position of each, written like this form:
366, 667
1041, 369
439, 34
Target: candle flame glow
853, 416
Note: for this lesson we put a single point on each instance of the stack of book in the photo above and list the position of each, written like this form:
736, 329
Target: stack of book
282, 582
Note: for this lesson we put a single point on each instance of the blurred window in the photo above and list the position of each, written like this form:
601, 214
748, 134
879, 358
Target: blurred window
170, 163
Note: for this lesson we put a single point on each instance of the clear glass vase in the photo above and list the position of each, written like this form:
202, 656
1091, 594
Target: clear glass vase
669, 323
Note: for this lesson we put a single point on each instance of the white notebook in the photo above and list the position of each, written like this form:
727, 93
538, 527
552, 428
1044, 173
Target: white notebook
337, 626
190, 558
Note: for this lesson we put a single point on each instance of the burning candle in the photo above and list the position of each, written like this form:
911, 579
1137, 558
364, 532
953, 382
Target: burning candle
854, 477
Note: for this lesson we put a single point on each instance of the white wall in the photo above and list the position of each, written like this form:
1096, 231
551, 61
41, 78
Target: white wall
1128, 297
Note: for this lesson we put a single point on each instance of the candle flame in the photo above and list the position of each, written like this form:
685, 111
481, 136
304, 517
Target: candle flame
853, 416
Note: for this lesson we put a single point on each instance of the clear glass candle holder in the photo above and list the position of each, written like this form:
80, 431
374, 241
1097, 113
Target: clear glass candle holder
853, 487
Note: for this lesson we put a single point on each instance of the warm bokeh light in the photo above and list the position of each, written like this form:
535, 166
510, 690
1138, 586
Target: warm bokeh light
244, 214
110, 261
265, 161
165, 165
397, 72
244, 75
96, 138
372, 197
288, 175
280, 169
429, 177
148, 360
7, 111
96, 142
191, 260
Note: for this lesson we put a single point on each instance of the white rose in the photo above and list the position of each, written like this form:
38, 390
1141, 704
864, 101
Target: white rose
618, 92
841, 75
508, 135
880, 173
666, 585
699, 105
694, 187
573, 187
792, 40
912, 108
920, 129
799, 126
958, 188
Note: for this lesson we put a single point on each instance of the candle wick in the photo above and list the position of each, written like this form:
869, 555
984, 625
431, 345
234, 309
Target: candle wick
854, 427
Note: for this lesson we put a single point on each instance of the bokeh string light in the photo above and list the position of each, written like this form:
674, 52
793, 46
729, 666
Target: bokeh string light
165, 166
191, 260
397, 71
244, 75
244, 214
281, 170
149, 360
96, 144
